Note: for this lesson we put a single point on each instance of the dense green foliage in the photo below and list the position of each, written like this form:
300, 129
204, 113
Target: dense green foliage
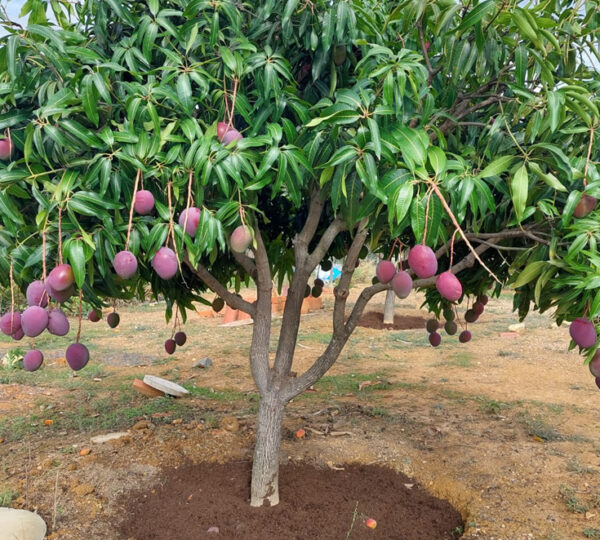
368, 101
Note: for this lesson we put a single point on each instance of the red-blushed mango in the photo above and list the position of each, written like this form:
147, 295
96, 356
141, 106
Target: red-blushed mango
125, 264
34, 321
595, 364
435, 339
232, 135
18, 334
180, 338
77, 356
189, 219
164, 263
583, 332
58, 324
448, 286
10, 322
422, 261
32, 360
222, 128
60, 296
6, 148
94, 315
385, 271
170, 346
402, 284
471, 316
240, 239
144, 202
113, 319
585, 205
478, 308
598, 382
36, 294
483, 299
61, 277
465, 336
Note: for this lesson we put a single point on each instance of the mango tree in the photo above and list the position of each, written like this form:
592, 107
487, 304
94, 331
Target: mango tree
196, 145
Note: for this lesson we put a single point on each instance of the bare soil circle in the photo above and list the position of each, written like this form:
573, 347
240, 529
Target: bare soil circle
194, 501
374, 320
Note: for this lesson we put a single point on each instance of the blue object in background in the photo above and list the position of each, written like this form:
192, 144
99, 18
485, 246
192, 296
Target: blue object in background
330, 276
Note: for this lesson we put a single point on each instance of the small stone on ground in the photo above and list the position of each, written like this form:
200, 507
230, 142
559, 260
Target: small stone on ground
203, 363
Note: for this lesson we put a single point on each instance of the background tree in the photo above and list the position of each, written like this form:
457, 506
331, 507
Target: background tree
345, 124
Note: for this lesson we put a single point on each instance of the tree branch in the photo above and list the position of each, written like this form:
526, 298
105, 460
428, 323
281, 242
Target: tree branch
342, 290
330, 234
261, 334
246, 263
214, 285
310, 227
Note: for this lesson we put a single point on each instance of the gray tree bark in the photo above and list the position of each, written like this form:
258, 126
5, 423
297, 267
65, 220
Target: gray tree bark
388, 309
264, 488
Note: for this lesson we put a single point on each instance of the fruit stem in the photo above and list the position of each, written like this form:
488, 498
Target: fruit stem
12, 295
452, 248
589, 153
171, 228
437, 191
428, 195
393, 247
60, 257
135, 187
189, 201
175, 320
79, 316
232, 111
44, 255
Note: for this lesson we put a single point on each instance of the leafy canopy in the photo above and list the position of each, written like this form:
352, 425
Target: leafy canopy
368, 102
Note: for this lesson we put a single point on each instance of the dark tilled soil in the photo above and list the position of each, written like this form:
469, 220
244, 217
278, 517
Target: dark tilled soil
315, 503
374, 320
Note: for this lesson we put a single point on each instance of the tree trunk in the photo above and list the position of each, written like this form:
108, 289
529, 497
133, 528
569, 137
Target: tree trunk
265, 468
388, 310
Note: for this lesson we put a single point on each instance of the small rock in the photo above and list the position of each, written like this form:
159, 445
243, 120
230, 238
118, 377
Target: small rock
519, 327
213, 530
83, 489
109, 437
21, 524
230, 423
203, 363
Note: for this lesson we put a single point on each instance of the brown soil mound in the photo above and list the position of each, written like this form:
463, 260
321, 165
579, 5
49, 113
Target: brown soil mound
315, 503
374, 320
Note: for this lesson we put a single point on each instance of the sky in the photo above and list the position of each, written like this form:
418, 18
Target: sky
13, 8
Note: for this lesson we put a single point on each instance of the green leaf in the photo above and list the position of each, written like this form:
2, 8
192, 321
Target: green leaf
437, 159
497, 167
555, 109
88, 100
520, 187
548, 178
342, 155
410, 145
76, 256
476, 15
529, 273
184, 92
375, 139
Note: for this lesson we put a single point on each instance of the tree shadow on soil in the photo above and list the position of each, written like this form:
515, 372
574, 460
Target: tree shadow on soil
192, 501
